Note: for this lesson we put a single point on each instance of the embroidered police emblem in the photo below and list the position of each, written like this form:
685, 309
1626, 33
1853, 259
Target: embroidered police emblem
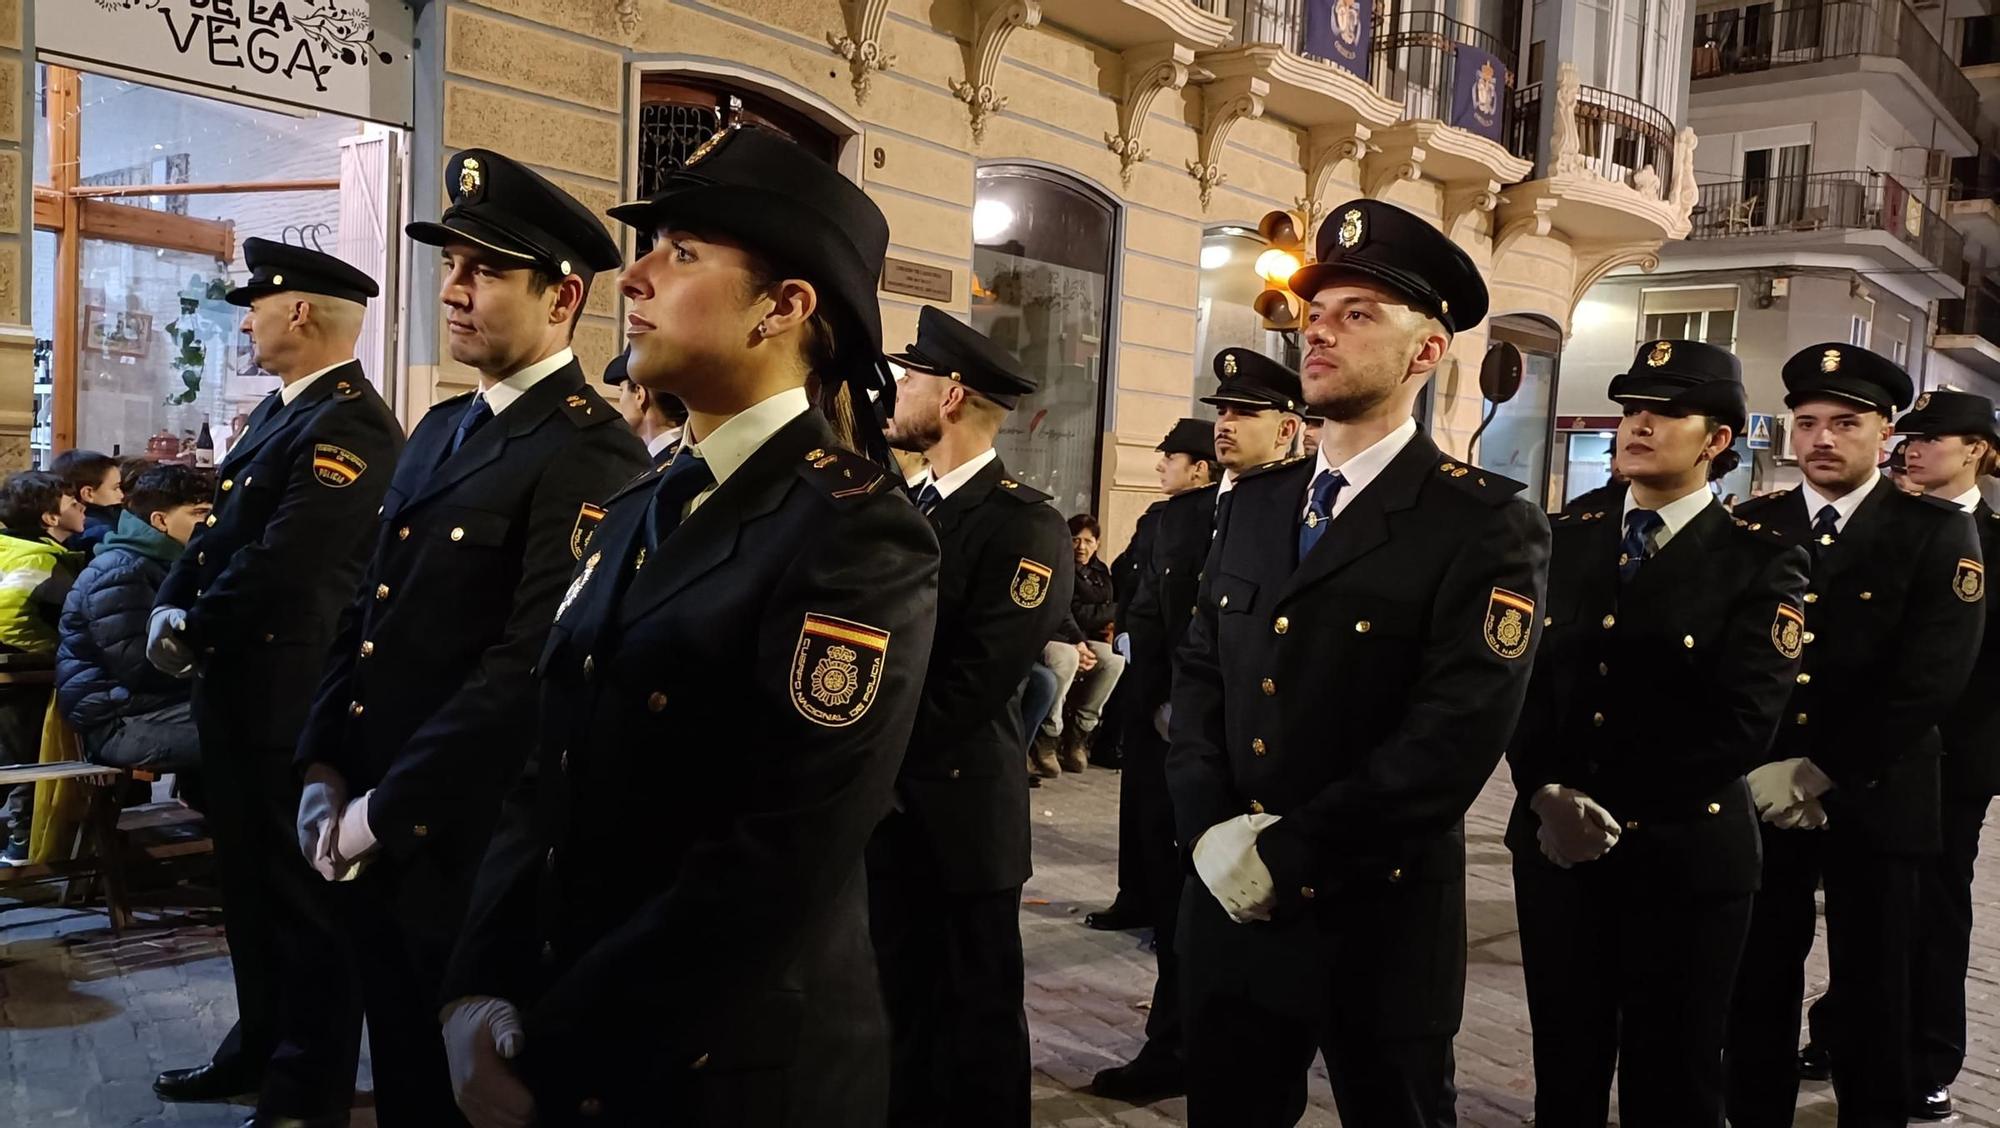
1829, 361
468, 177
1788, 630
1662, 352
1969, 583
837, 669
586, 523
1509, 618
1350, 228
336, 466
576, 585
1031, 583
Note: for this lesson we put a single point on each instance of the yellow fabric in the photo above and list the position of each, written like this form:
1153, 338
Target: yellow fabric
59, 803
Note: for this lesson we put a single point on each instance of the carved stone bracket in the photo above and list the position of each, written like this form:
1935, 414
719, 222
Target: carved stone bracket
1224, 103
1149, 71
1686, 193
1566, 151
1376, 181
998, 20
1593, 263
861, 44
1461, 202
1326, 147
1540, 221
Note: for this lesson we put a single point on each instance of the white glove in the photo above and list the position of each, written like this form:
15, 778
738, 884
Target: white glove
1575, 828
1783, 784
1161, 718
1123, 645
354, 842
481, 1035
1225, 858
1808, 815
319, 817
164, 647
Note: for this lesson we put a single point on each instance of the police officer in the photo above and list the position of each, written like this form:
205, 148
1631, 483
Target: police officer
250, 609
1186, 462
1674, 634
1952, 445
1893, 621
755, 620
424, 717
1257, 402
656, 417
1359, 651
945, 870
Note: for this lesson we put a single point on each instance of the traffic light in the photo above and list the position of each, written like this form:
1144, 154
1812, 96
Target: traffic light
1277, 306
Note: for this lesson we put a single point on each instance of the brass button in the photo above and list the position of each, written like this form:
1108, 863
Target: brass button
1308, 892
458, 534
1256, 808
1396, 874
1257, 746
1610, 621
656, 701
1549, 622
1801, 718
1715, 808
201, 557
1688, 641
355, 709
381, 591
1632, 825
1270, 687
1805, 679
1812, 597
589, 665
1363, 627
227, 485
953, 774
1867, 595
1281, 626
1224, 602
211, 520
1603, 670
403, 533
420, 830
367, 649
1597, 719
1807, 637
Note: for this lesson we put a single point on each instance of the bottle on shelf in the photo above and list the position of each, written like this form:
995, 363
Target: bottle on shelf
204, 446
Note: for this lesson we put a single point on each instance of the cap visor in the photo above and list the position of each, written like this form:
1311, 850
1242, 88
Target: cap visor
244, 295
461, 230
1242, 401
1309, 280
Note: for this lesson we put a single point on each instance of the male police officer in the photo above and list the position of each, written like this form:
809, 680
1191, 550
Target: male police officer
1892, 626
251, 607
945, 870
1953, 445
1358, 653
423, 719
656, 417
754, 620
1257, 424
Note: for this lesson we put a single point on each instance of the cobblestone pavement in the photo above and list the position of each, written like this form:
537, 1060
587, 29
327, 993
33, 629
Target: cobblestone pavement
86, 1019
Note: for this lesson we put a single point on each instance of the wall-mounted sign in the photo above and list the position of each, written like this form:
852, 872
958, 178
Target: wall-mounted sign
1761, 431
347, 57
916, 280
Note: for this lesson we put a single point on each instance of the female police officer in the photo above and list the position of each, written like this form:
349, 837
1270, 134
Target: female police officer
752, 622
1673, 639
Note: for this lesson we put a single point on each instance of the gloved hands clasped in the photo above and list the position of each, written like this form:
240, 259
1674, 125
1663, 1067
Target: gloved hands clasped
1575, 828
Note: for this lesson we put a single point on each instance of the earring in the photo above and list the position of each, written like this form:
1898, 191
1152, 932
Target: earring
763, 330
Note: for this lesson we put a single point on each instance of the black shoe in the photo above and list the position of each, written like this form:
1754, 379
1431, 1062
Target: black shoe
207, 1082
1814, 1065
1149, 1077
1932, 1106
1117, 918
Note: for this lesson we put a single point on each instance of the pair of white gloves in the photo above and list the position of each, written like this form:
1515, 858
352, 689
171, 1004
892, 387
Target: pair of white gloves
1787, 793
333, 830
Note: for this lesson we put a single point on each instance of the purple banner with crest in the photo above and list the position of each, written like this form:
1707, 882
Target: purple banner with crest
1479, 89
1340, 31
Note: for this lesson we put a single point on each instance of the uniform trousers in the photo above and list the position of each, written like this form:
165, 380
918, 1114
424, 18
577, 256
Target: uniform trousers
1624, 974
400, 964
953, 983
1871, 906
1944, 947
298, 1007
1146, 835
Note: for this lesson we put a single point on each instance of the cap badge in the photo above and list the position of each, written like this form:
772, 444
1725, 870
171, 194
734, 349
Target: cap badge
1229, 364
1663, 351
707, 148
468, 176
1350, 228
1923, 401
1829, 361
277, 279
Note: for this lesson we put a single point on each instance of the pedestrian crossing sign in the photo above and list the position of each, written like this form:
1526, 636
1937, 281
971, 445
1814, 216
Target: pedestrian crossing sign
1759, 432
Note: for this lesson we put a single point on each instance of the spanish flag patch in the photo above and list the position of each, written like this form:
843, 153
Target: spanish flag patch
337, 466
836, 669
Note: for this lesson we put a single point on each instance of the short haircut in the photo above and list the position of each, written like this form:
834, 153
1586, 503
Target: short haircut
168, 486
81, 468
133, 465
1082, 521
29, 496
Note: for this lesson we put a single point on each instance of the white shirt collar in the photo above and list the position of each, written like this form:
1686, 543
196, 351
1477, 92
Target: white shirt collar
729, 446
950, 483
1674, 515
1364, 467
500, 395
1968, 501
1845, 507
1228, 483
663, 440
297, 388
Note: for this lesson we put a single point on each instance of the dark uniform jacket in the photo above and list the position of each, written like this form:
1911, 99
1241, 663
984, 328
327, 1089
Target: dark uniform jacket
1655, 696
1893, 623
427, 698
1168, 578
1971, 730
1126, 567
698, 953
264, 580
1364, 695
1005, 570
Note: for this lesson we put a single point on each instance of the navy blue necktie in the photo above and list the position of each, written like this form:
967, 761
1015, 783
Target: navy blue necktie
928, 498
475, 417
1639, 526
1825, 527
1319, 508
686, 477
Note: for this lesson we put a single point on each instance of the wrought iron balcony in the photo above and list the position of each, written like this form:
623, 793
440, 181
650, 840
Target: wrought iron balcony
1618, 137
1414, 60
1811, 207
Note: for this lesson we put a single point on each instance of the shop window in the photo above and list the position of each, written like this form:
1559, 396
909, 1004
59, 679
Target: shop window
1516, 442
1225, 316
1041, 287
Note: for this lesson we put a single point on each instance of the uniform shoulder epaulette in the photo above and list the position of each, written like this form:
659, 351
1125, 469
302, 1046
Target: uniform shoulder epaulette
843, 474
1937, 502
457, 399
1190, 497
1491, 488
587, 409
1270, 468
1021, 491
349, 389
1758, 529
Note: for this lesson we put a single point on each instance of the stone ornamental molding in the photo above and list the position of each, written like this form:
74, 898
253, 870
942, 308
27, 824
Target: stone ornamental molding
998, 20
1465, 201
861, 44
1327, 147
1224, 103
628, 18
1376, 180
1594, 262
1539, 221
1566, 150
1686, 192
1149, 72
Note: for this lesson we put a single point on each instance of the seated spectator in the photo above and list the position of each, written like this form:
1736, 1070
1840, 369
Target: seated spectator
98, 482
126, 711
39, 516
1081, 653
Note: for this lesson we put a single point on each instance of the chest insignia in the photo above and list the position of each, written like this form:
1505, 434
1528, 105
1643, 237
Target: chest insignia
576, 585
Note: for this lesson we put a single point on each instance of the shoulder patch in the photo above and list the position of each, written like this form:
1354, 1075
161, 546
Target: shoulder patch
1491, 488
1030, 585
588, 517
337, 466
1021, 491
587, 409
843, 474
1968, 582
836, 669
1510, 623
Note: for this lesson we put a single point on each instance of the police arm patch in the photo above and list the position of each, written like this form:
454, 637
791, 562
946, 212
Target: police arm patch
1031, 583
337, 466
1510, 619
1788, 631
836, 669
1969, 582
586, 523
